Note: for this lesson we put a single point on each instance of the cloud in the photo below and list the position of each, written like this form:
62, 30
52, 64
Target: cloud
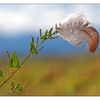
17, 19
27, 18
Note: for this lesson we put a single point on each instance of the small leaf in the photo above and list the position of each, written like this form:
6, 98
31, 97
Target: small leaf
50, 32
12, 86
17, 87
14, 63
22, 89
32, 46
32, 43
1, 74
45, 35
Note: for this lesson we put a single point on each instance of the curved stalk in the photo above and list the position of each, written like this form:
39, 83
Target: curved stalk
24, 61
20, 64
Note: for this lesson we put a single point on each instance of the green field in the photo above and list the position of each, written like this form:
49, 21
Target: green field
57, 76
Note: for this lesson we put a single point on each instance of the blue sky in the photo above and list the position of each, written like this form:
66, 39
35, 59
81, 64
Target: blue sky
19, 21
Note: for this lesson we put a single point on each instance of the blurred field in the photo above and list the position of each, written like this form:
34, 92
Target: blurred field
57, 76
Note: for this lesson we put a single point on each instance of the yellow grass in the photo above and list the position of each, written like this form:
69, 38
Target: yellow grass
57, 76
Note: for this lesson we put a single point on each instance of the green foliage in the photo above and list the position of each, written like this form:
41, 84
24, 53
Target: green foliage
50, 32
22, 89
17, 87
32, 46
45, 35
14, 63
12, 86
1, 74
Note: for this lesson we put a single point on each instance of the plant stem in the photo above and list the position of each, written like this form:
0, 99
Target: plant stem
24, 61
30, 53
21, 64
9, 77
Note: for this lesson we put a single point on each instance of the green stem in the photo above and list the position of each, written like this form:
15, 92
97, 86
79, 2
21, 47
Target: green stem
24, 61
30, 53
20, 64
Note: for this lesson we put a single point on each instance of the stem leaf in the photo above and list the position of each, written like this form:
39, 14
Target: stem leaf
45, 35
32, 46
12, 86
22, 89
50, 32
17, 87
1, 74
14, 63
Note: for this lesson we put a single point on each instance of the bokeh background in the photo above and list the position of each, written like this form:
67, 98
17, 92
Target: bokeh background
60, 69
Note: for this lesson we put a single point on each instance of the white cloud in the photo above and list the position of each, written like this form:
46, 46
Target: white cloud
28, 18
15, 19
10, 21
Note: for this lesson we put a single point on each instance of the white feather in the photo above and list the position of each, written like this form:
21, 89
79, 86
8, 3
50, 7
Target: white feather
75, 29
68, 27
